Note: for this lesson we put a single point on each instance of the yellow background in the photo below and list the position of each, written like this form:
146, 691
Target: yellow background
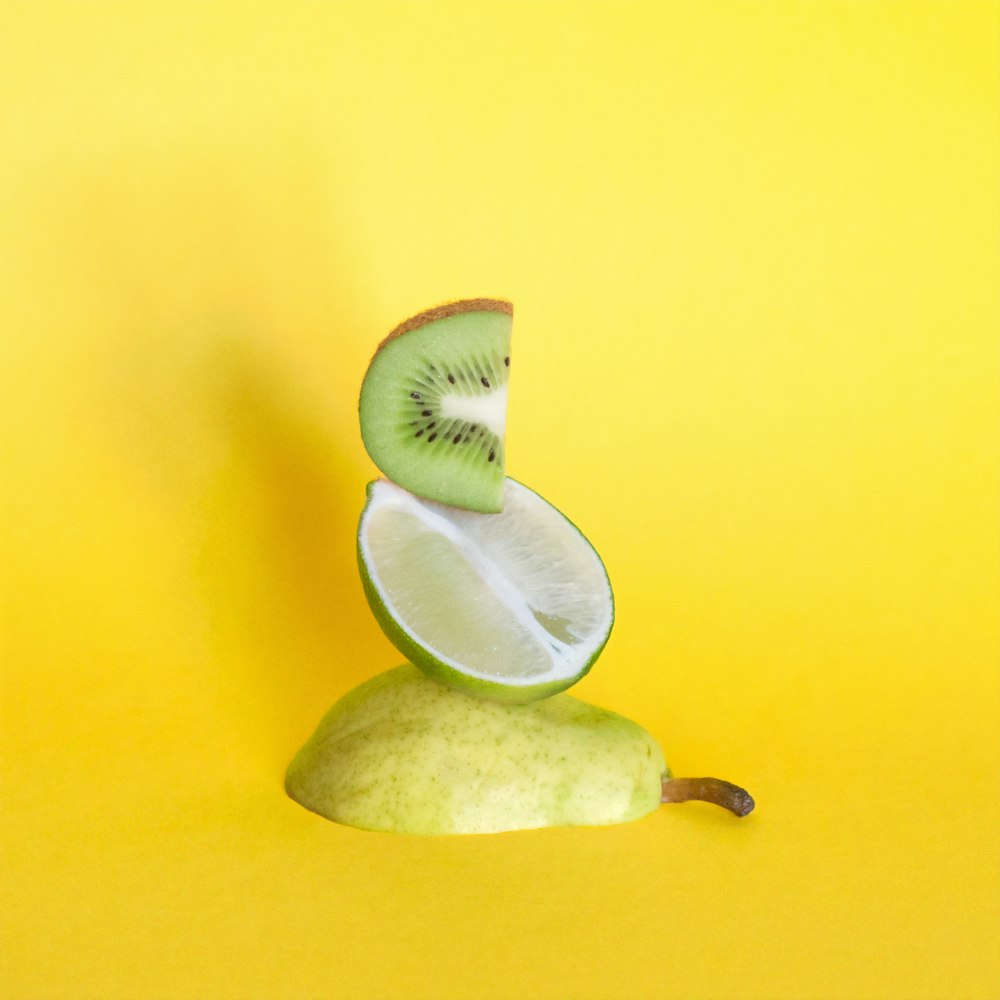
753, 250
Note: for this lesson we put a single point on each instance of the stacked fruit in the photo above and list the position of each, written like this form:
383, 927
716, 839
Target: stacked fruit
499, 603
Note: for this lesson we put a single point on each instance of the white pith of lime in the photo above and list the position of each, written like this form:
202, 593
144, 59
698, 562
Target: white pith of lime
513, 606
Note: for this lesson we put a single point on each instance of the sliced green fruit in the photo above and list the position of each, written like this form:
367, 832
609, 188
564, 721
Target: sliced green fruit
403, 753
513, 606
433, 403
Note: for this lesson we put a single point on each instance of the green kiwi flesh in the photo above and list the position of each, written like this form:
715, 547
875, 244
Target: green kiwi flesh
433, 403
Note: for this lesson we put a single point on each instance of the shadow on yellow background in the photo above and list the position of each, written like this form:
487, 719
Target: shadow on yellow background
177, 463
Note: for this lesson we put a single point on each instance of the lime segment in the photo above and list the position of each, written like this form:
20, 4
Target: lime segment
512, 606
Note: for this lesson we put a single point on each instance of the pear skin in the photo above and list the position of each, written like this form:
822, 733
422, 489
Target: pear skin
407, 754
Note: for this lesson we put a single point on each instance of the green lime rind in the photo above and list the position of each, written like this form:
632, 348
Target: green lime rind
423, 657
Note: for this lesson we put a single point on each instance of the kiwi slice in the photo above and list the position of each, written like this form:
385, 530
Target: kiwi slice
434, 403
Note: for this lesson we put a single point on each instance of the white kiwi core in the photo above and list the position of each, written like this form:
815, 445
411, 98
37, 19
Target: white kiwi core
489, 411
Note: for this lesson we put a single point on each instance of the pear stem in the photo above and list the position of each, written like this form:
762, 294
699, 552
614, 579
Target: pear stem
721, 793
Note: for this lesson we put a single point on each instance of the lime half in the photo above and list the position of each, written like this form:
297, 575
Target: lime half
512, 606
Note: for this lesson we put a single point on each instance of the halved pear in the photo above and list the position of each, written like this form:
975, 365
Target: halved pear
407, 754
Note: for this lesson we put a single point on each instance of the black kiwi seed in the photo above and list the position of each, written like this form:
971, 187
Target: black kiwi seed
426, 413
433, 436
419, 433
451, 378
506, 362
415, 395
493, 455
485, 381
457, 438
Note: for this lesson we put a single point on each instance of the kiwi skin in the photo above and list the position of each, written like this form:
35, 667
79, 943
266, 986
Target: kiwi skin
456, 351
447, 309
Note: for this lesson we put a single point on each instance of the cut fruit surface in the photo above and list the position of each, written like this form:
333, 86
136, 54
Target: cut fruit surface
514, 606
404, 754
433, 404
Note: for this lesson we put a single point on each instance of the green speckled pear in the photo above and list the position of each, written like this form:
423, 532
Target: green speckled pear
407, 754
